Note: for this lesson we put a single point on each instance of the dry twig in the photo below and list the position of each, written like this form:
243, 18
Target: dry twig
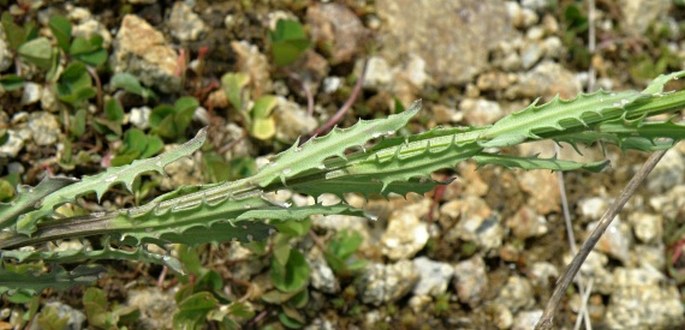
345, 108
547, 319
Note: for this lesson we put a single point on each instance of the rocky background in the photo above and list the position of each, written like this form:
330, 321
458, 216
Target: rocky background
480, 253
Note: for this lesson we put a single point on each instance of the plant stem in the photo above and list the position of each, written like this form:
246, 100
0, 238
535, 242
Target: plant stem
547, 319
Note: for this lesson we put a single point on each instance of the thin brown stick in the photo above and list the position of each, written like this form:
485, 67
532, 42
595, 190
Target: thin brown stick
346, 107
572, 242
547, 320
98, 86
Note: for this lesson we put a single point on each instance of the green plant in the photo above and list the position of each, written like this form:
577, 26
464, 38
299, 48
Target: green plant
259, 118
340, 253
288, 42
170, 122
242, 209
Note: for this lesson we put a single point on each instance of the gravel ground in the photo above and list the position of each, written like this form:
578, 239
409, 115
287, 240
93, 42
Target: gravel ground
482, 253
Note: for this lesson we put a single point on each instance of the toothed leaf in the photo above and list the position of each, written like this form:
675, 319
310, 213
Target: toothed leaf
101, 182
73, 256
298, 212
28, 283
534, 163
656, 86
28, 198
369, 186
311, 154
556, 116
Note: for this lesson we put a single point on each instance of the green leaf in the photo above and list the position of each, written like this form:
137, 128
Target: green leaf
29, 196
38, 51
137, 145
61, 29
78, 123
532, 163
89, 50
192, 311
311, 154
263, 106
172, 121
97, 309
233, 85
11, 82
114, 111
75, 85
95, 58
555, 116
281, 250
339, 250
114, 116
293, 276
344, 244
288, 42
185, 109
17, 35
263, 125
6, 191
289, 322
263, 128
219, 232
49, 319
290, 227
101, 182
188, 256
58, 279
130, 84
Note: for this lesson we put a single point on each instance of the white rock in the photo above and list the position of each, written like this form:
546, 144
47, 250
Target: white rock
321, 275
85, 25
638, 15
186, 25
543, 273
382, 283
140, 117
529, 17
406, 233
471, 280
45, 128
291, 120
419, 304
478, 112
552, 47
526, 320
332, 84
616, 240
641, 298
535, 33
536, 4
647, 227
434, 277
142, 51
14, 143
74, 317
669, 172
5, 53
48, 100
502, 316
531, 54
593, 207
31, 93
415, 71
378, 74
516, 294
251, 61
155, 307
526, 223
